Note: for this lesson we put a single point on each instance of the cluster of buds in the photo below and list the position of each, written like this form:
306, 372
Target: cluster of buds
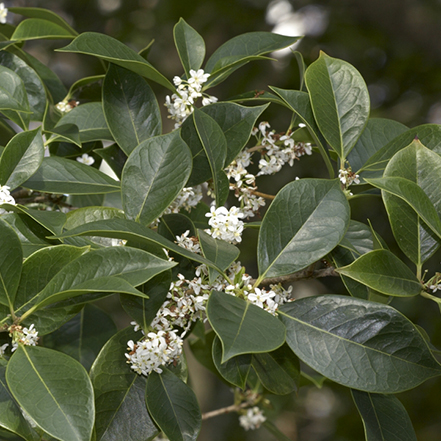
348, 177
66, 105
252, 418
226, 224
3, 13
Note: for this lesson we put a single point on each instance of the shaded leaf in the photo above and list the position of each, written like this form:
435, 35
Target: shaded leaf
66, 133
37, 28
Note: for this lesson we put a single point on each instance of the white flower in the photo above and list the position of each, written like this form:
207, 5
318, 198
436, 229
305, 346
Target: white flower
3, 13
86, 159
5, 197
252, 419
66, 106
189, 243
206, 100
3, 349
197, 78
348, 177
226, 224
25, 336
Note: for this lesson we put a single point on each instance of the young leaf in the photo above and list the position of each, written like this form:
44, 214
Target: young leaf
383, 271
384, 417
173, 406
109, 49
119, 394
37, 28
190, 46
11, 258
340, 102
153, 176
288, 242
54, 389
242, 327
359, 344
21, 158
60, 175
130, 107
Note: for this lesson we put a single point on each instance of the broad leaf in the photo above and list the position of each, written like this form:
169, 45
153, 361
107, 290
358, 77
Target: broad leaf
60, 175
153, 176
84, 215
358, 238
119, 394
306, 220
66, 133
340, 102
11, 257
173, 406
130, 107
349, 341
83, 337
242, 327
190, 46
37, 28
55, 390
110, 49
21, 158
175, 224
114, 157
384, 417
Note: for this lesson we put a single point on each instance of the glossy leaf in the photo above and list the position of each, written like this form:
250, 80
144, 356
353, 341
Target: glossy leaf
109, 49
130, 107
37, 28
173, 406
119, 394
383, 271
54, 389
190, 46
66, 133
11, 257
175, 224
12, 92
348, 340
83, 337
114, 157
306, 220
358, 238
84, 215
340, 102
90, 120
153, 176
423, 167
60, 175
242, 327
384, 417
21, 158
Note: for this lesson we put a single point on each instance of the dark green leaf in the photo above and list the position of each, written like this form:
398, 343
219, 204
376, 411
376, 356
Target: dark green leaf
84, 215
12, 92
242, 327
153, 176
173, 406
37, 28
54, 389
357, 343
175, 224
290, 243
130, 107
358, 238
114, 157
384, 417
66, 133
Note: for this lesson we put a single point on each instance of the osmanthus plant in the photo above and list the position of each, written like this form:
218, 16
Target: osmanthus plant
158, 232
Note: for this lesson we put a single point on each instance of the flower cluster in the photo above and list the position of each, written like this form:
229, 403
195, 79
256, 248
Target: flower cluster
252, 419
5, 197
226, 224
156, 349
66, 105
3, 349
348, 177
25, 336
86, 159
181, 103
3, 13
187, 199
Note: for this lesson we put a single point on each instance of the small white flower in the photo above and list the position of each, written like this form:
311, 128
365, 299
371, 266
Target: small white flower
226, 224
3, 349
25, 336
66, 106
5, 197
86, 159
189, 243
252, 419
197, 78
206, 100
3, 13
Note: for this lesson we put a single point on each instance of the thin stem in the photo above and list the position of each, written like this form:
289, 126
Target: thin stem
263, 195
223, 410
431, 297
255, 148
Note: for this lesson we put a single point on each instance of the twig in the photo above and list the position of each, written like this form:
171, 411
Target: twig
263, 195
304, 274
223, 410
256, 148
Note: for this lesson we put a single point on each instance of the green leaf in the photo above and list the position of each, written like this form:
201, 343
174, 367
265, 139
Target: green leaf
11, 417
236, 369
340, 102
359, 344
190, 46
218, 251
384, 417
80, 84
130, 107
175, 224
242, 327
13, 93
119, 394
83, 337
110, 49
90, 120
377, 133
37, 28
423, 167
290, 243
257, 95
33, 84
153, 176
21, 158
358, 238
236, 123
84, 215
60, 175
11, 257
278, 371
114, 157
271, 428
66, 133
44, 14
130, 230
173, 406
414, 196
383, 271
55, 390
